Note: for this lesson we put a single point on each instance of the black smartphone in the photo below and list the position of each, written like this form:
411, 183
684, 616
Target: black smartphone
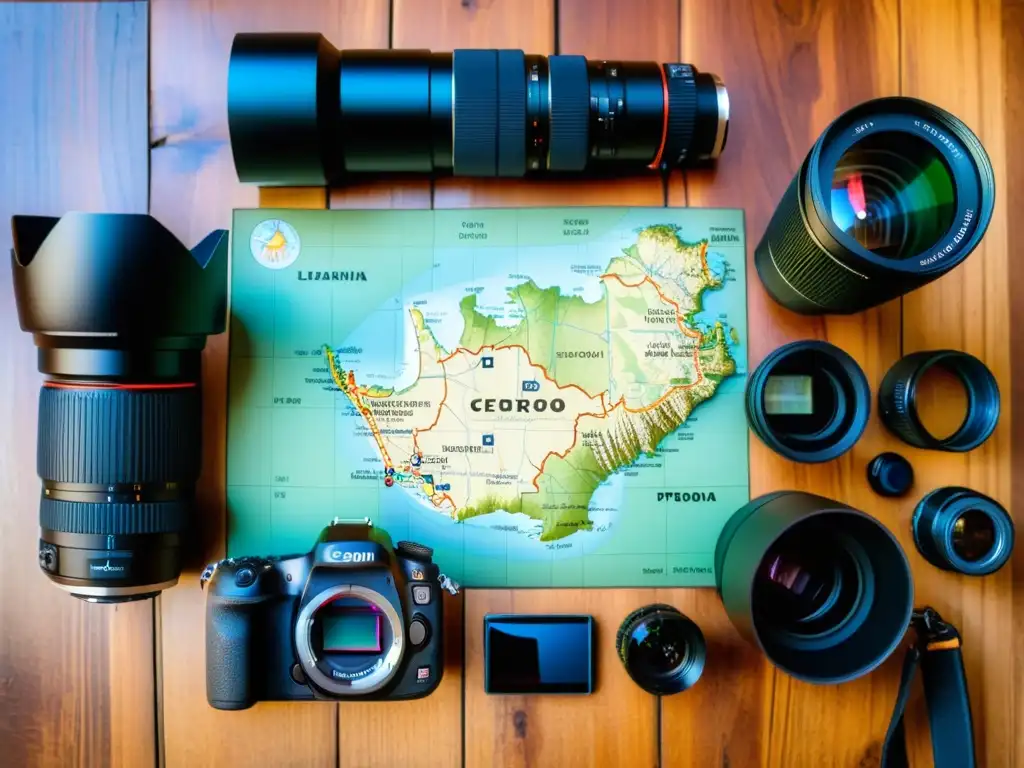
538, 654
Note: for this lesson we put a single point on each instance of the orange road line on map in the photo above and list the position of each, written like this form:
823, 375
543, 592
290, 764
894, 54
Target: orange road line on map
605, 409
530, 359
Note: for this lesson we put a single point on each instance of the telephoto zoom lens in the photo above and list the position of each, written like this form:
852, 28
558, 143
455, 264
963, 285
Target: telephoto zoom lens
120, 311
895, 193
823, 589
302, 112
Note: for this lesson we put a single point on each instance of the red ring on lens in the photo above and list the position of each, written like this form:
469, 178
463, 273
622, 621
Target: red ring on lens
664, 120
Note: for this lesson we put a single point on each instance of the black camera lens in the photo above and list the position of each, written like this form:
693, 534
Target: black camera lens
895, 193
302, 112
120, 411
961, 530
822, 588
897, 400
663, 651
808, 401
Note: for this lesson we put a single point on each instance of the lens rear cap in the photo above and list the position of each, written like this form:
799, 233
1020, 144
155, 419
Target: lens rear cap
889, 474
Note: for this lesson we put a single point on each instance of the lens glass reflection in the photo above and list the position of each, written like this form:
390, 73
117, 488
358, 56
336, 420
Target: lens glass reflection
974, 535
894, 194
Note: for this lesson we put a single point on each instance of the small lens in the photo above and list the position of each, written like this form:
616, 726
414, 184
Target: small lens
974, 535
663, 651
893, 193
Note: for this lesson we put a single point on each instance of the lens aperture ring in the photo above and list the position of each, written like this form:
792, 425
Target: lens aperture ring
108, 436
511, 113
570, 113
119, 519
475, 146
898, 394
682, 112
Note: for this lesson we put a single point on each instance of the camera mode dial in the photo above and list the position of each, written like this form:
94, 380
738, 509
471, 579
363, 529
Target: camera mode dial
414, 551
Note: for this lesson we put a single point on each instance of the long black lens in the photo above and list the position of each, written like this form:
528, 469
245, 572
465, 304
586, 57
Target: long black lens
302, 112
823, 589
895, 193
120, 412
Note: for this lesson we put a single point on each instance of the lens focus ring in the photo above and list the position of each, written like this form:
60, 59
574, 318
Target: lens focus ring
682, 113
570, 113
114, 436
475, 112
113, 519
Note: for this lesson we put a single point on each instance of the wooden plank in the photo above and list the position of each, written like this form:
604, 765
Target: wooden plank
789, 70
77, 679
194, 188
970, 310
1013, 189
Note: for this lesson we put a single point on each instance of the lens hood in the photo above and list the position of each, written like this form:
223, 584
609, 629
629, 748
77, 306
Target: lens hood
90, 282
878, 616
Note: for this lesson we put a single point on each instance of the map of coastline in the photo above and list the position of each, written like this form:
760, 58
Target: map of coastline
528, 418
544, 396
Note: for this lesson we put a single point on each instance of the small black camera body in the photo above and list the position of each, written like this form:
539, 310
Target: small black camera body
353, 618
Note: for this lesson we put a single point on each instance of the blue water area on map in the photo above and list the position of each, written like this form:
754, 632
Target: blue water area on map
726, 302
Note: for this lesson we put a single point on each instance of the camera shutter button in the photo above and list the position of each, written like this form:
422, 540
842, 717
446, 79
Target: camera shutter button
414, 551
245, 577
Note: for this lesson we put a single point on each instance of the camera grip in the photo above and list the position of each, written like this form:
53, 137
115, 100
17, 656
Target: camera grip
229, 652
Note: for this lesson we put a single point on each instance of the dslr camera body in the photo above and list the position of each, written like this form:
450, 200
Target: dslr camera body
353, 618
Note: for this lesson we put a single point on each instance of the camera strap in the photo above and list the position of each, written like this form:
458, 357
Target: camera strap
937, 653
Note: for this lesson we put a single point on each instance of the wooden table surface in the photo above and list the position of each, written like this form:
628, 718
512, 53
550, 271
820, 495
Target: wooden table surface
120, 106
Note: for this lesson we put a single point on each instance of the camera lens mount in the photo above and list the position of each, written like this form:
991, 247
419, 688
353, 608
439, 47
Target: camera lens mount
364, 681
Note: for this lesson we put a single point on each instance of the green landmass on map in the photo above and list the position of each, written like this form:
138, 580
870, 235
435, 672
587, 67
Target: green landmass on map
614, 377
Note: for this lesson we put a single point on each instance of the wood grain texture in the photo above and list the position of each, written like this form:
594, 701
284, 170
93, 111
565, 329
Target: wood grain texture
76, 680
790, 68
194, 189
969, 310
1013, 189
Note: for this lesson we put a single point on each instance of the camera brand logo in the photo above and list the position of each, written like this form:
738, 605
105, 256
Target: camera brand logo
351, 557
274, 244
106, 568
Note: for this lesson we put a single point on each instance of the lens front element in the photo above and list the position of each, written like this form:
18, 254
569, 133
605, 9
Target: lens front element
974, 535
893, 193
662, 650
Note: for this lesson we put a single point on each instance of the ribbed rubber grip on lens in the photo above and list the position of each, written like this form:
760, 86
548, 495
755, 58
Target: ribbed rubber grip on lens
570, 113
475, 146
511, 113
805, 267
682, 113
118, 519
116, 436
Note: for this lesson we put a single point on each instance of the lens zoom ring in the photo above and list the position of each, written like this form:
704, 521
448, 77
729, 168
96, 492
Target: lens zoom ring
106, 436
113, 519
682, 113
511, 113
570, 113
475, 149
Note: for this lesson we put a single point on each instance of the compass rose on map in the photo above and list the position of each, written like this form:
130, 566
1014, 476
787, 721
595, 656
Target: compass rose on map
274, 244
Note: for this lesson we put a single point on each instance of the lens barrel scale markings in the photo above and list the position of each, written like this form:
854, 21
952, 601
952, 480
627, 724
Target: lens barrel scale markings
302, 112
120, 411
